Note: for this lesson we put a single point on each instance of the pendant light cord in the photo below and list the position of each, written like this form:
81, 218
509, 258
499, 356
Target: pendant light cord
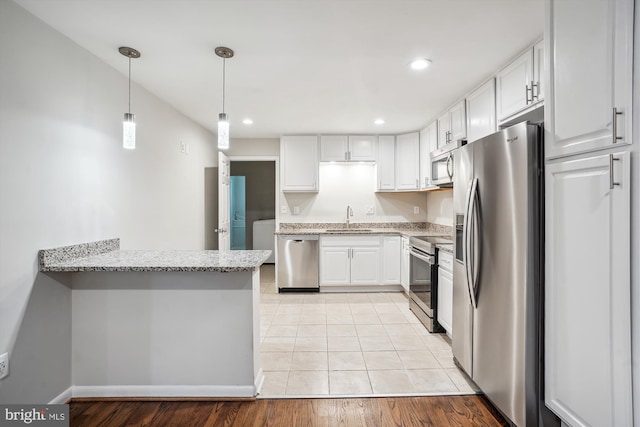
224, 60
129, 84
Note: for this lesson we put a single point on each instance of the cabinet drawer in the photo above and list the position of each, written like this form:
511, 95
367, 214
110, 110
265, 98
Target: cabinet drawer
445, 261
350, 241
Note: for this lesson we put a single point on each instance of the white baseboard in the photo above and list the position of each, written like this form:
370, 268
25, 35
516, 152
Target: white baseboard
164, 391
62, 397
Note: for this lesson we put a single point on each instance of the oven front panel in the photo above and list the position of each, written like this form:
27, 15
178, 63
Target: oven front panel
422, 284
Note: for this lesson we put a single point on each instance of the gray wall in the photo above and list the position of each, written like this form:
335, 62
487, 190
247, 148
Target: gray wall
260, 191
65, 179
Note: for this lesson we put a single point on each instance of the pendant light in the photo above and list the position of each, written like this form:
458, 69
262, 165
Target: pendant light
129, 123
223, 121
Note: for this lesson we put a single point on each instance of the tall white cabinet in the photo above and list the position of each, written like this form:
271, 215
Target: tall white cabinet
299, 163
587, 211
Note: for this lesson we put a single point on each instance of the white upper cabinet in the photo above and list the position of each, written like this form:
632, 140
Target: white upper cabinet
590, 53
362, 148
481, 111
516, 88
452, 125
428, 143
342, 148
408, 161
538, 70
334, 148
386, 163
587, 290
299, 163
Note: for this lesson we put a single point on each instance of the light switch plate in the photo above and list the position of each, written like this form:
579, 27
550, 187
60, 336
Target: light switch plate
296, 210
416, 210
370, 210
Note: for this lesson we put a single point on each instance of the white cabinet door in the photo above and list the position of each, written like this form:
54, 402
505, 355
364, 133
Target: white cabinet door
391, 253
405, 262
386, 163
587, 290
458, 122
445, 299
362, 148
428, 143
335, 266
333, 148
444, 128
513, 86
590, 57
365, 266
408, 161
299, 163
481, 111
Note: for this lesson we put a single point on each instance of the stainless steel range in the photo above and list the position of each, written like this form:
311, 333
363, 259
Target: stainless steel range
423, 279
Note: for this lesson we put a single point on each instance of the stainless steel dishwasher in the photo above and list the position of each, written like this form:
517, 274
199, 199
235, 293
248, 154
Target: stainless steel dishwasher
297, 263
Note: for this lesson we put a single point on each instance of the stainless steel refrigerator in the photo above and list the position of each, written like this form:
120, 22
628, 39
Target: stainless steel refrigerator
498, 290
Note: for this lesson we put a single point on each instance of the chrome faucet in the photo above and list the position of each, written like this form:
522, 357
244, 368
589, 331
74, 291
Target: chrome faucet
349, 214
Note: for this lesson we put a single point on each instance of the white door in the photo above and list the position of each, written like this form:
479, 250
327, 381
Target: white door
408, 161
405, 263
444, 127
428, 143
538, 71
590, 64
299, 163
224, 202
458, 122
385, 163
513, 86
334, 266
365, 266
391, 260
362, 148
587, 291
333, 148
481, 111
445, 299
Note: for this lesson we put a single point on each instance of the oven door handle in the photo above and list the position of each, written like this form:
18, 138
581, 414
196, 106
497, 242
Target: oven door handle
421, 256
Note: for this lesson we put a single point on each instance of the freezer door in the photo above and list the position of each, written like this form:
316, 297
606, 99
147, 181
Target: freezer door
462, 322
506, 168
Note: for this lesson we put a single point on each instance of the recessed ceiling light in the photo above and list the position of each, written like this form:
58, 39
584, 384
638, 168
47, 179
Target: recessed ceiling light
247, 121
420, 64
378, 121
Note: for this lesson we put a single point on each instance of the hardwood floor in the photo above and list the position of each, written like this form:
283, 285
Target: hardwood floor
462, 411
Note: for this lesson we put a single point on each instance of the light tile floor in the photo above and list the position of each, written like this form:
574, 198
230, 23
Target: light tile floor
347, 344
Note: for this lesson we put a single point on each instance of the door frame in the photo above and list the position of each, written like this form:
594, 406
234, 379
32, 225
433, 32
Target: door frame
275, 159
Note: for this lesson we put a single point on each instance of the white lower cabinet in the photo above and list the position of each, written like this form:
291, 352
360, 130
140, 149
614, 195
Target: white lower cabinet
391, 260
445, 291
405, 263
350, 260
587, 290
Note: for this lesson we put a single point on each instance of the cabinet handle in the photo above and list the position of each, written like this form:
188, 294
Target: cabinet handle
612, 183
537, 91
614, 125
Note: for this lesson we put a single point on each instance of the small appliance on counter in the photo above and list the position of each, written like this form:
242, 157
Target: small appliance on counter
423, 279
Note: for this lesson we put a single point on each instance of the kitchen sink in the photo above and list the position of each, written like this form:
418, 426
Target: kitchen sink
350, 230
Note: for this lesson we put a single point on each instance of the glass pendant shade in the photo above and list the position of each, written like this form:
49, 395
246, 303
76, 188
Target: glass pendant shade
129, 131
223, 131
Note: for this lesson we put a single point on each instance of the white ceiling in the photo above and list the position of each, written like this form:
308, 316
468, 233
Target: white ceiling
303, 66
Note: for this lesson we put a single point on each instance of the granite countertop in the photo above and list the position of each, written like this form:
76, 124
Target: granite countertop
106, 255
365, 229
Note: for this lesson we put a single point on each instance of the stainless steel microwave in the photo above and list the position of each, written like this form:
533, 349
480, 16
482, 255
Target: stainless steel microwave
442, 169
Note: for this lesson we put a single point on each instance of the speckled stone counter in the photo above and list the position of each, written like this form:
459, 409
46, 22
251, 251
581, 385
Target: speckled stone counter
366, 228
105, 255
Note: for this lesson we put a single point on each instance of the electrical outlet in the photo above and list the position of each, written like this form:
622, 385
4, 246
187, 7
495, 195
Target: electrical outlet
283, 209
183, 147
370, 210
186, 151
416, 210
4, 365
296, 210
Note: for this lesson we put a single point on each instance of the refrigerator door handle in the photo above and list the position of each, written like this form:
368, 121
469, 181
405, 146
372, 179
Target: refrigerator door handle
466, 241
469, 243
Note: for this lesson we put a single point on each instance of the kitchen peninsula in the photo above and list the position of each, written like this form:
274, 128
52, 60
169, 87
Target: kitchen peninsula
161, 323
